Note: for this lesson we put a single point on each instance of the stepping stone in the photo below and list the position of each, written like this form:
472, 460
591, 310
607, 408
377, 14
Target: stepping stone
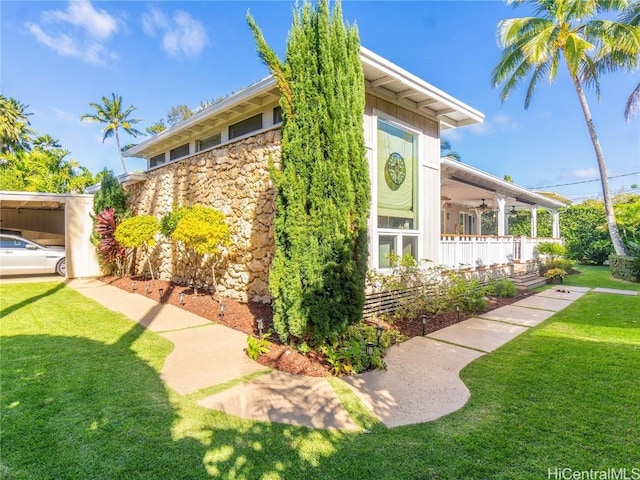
206, 356
284, 398
561, 293
527, 317
613, 290
421, 383
479, 333
543, 303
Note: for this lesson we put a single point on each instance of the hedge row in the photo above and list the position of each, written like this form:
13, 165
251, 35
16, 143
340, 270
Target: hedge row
625, 268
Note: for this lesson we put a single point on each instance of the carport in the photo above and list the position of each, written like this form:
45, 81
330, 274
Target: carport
54, 219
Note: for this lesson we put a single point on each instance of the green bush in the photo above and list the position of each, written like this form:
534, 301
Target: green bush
138, 232
561, 263
465, 293
503, 288
347, 353
257, 346
584, 228
110, 195
625, 268
552, 249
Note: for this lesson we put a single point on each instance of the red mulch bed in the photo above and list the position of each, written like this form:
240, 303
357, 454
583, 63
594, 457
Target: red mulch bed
244, 316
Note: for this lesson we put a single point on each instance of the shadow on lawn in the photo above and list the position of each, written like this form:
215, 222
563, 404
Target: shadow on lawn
12, 308
76, 408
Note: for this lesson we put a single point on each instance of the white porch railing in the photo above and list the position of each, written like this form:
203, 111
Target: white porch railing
473, 251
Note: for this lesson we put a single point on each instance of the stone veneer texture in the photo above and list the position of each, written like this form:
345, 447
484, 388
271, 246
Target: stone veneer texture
234, 179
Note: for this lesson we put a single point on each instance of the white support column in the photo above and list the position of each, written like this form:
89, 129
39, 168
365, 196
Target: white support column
502, 201
556, 224
534, 221
478, 221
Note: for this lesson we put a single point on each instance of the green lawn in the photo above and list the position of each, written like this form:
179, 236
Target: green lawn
598, 276
81, 398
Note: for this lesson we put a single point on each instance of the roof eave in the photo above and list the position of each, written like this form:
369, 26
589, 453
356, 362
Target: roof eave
504, 186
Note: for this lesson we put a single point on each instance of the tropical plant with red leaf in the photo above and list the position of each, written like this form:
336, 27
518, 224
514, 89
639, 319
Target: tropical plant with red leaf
110, 250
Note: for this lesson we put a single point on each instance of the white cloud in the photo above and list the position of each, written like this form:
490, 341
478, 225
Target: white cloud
81, 13
85, 42
586, 173
500, 122
182, 35
504, 122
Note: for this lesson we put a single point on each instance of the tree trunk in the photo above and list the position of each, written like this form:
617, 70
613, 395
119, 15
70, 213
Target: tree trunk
124, 167
618, 245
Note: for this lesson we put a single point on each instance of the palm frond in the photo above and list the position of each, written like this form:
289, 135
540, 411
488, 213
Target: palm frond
633, 104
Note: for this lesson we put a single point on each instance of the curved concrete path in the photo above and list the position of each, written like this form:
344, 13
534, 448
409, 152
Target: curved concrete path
421, 382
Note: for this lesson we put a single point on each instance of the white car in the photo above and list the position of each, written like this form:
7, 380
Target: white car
21, 256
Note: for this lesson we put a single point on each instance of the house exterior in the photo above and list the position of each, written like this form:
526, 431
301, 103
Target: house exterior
221, 157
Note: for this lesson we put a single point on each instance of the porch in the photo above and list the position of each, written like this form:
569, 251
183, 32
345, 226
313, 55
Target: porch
467, 197
473, 252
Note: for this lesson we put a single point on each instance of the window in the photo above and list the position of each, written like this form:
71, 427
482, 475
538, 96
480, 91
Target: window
180, 151
12, 243
397, 192
277, 115
248, 125
209, 142
157, 160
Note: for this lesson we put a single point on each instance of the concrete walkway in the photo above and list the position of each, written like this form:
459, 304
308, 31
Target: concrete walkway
421, 382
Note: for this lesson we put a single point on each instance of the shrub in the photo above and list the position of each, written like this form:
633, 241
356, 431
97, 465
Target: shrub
465, 293
562, 263
257, 346
139, 232
625, 268
555, 273
551, 248
110, 195
111, 252
503, 288
204, 232
347, 353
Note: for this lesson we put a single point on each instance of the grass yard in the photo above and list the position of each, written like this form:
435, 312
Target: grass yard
81, 398
598, 276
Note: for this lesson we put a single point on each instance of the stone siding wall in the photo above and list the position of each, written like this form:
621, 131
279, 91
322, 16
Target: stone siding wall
234, 179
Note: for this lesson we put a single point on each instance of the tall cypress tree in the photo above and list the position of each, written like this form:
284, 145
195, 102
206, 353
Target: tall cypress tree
317, 277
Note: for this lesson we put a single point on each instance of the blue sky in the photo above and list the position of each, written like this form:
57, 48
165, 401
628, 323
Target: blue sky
59, 56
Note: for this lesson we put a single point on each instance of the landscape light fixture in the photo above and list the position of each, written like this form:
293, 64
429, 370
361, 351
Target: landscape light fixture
222, 309
458, 311
147, 288
182, 299
369, 348
379, 331
424, 324
260, 326
161, 292
133, 285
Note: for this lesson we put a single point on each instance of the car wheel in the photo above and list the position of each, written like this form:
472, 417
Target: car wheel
61, 267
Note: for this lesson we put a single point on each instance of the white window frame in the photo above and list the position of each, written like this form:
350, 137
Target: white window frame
375, 231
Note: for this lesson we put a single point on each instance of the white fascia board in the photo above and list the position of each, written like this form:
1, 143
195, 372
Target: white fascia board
243, 95
39, 197
415, 82
502, 185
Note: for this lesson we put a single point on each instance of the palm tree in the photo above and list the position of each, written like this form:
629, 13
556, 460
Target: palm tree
46, 142
446, 153
15, 133
568, 30
632, 17
114, 118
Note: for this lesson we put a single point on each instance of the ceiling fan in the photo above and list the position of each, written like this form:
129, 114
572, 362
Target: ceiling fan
513, 211
483, 206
